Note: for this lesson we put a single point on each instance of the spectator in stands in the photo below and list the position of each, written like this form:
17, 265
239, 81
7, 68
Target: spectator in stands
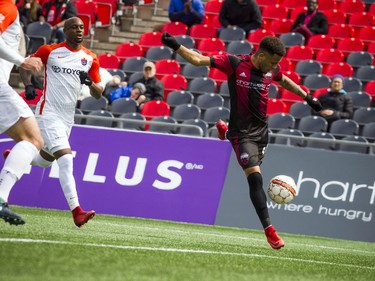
136, 92
311, 22
154, 87
56, 12
336, 103
29, 11
242, 13
189, 12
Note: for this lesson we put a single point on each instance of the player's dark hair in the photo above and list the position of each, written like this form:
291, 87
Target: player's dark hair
272, 45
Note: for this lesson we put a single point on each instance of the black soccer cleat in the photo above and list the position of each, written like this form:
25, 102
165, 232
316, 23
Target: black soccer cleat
9, 216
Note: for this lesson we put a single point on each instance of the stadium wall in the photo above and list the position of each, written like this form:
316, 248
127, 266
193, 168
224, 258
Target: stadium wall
198, 180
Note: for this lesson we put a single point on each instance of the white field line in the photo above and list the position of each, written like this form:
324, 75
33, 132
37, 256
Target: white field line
351, 250
175, 250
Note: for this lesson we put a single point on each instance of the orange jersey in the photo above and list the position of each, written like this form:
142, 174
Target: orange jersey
61, 73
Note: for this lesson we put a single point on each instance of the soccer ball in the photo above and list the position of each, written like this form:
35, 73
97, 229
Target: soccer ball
282, 189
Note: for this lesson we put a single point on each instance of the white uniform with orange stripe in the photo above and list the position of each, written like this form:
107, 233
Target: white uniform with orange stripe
12, 106
55, 110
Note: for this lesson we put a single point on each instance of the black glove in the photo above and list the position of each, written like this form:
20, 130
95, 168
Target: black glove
169, 41
313, 102
85, 78
30, 92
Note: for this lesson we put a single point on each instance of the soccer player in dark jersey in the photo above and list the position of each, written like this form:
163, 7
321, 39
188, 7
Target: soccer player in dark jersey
249, 79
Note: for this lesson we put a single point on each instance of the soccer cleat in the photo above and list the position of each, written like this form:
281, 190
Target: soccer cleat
222, 129
6, 153
9, 216
273, 239
81, 217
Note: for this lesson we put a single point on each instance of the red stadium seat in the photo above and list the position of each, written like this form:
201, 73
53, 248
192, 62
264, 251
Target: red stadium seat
370, 89
335, 16
34, 101
280, 26
294, 76
202, 31
88, 8
109, 61
150, 39
272, 12
127, 50
167, 66
348, 45
321, 41
352, 6
155, 108
367, 34
342, 68
175, 28
327, 5
286, 64
212, 9
105, 13
295, 12
210, 45
320, 91
360, 20
257, 35
328, 56
276, 106
173, 82
217, 75
340, 31
298, 53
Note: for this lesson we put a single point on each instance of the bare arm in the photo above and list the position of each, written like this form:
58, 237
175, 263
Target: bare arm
288, 84
193, 57
25, 76
96, 90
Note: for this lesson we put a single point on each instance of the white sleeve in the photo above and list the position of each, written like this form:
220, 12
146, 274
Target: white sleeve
9, 54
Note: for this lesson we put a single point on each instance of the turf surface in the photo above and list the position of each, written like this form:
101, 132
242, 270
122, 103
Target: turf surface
50, 247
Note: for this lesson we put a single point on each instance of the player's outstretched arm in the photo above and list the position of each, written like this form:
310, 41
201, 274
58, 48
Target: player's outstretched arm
288, 84
188, 55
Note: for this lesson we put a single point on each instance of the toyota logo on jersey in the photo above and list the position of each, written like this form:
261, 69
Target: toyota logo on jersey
58, 69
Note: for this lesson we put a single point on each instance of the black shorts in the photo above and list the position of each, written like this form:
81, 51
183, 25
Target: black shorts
249, 150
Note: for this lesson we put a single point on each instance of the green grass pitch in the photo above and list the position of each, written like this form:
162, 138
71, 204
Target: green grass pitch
50, 247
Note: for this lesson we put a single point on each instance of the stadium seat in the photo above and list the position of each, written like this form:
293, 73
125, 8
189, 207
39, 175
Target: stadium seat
133, 121
213, 114
186, 40
191, 71
289, 141
280, 121
280, 26
167, 126
239, 47
276, 106
88, 8
290, 98
349, 45
150, 39
166, 66
299, 110
135, 77
100, 122
364, 115
208, 100
340, 31
91, 104
299, 53
39, 33
292, 39
155, 108
209, 45
294, 76
328, 56
202, 31
292, 4
177, 97
212, 9
371, 48
123, 105
128, 50
342, 68
327, 5
360, 20
133, 64
200, 85
353, 147
175, 28
360, 99
173, 82
365, 73
311, 124
218, 76
334, 16
307, 67
293, 14
321, 41
229, 34
352, 84
186, 111
370, 89
109, 61
254, 37
367, 34
190, 131
316, 81
286, 64
351, 7
369, 131
343, 127
326, 143
105, 12
357, 59
159, 53
320, 91
273, 12
119, 72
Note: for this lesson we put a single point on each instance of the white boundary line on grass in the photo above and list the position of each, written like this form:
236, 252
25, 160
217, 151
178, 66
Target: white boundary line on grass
20, 240
239, 237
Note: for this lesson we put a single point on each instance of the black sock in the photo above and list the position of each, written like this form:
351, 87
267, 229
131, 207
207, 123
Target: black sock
258, 198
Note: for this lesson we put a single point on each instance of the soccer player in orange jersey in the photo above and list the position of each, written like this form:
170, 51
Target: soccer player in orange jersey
68, 66
16, 118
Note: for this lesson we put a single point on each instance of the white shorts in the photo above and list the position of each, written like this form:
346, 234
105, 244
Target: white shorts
55, 133
12, 107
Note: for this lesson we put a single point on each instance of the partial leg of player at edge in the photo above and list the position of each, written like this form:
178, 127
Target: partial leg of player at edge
257, 196
80, 216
